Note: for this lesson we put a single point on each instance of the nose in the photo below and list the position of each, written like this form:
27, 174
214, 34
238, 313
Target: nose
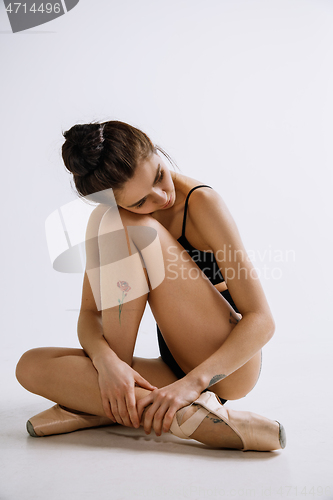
161, 196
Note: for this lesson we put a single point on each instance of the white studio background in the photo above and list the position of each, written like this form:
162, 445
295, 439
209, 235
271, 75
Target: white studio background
238, 92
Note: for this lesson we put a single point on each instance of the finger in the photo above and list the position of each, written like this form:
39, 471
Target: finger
158, 419
149, 417
132, 411
107, 409
168, 418
115, 411
143, 403
142, 382
123, 412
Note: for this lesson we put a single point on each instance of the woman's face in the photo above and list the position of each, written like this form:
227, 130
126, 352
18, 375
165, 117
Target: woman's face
150, 189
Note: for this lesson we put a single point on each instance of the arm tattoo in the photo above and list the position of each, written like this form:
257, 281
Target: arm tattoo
216, 379
232, 319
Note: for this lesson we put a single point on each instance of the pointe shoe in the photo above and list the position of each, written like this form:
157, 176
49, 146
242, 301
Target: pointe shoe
57, 420
256, 432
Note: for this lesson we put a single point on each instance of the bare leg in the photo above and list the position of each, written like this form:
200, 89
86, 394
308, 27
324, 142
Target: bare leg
68, 377
189, 311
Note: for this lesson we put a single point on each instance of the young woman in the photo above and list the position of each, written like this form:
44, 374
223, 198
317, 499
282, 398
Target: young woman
179, 250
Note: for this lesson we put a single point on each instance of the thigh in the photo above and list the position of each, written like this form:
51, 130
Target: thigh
189, 310
39, 364
241, 382
155, 371
35, 366
193, 316
41, 355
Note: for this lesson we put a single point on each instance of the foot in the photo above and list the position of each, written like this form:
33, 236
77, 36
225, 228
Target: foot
60, 420
213, 431
214, 425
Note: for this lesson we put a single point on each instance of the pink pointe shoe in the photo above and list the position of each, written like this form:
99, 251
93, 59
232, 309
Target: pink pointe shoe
256, 432
58, 420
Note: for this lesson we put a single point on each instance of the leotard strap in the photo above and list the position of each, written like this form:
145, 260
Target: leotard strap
186, 204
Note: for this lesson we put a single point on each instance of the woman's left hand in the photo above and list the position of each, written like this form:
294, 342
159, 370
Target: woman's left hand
164, 404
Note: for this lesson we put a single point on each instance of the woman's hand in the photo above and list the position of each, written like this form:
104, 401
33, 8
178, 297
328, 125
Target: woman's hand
116, 382
164, 404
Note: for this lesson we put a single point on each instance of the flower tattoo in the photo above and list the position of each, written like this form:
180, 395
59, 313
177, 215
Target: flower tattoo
125, 288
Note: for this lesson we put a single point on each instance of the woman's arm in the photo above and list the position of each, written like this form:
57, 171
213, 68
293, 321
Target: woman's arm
116, 378
216, 227
90, 329
213, 221
245, 340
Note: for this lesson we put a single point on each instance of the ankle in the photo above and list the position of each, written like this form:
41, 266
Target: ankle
185, 413
212, 431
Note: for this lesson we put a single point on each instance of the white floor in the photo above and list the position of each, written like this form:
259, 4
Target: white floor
123, 463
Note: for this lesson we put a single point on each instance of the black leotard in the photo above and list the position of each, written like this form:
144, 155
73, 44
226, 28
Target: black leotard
205, 260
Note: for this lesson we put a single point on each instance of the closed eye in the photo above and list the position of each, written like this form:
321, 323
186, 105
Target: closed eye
158, 180
141, 203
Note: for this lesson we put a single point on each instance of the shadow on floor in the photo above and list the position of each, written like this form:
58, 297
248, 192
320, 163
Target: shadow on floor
135, 440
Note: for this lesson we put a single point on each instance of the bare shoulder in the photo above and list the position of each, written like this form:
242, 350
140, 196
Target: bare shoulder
216, 225
210, 214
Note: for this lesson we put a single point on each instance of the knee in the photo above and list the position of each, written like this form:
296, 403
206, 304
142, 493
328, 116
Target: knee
27, 368
133, 219
143, 229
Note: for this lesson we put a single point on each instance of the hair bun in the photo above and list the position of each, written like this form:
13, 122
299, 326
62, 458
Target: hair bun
83, 148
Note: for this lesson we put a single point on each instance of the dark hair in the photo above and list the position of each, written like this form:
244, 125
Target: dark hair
104, 155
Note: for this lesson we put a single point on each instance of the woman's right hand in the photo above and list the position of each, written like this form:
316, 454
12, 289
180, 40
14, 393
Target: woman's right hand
116, 382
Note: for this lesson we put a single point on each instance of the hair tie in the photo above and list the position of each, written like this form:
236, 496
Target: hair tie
101, 132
